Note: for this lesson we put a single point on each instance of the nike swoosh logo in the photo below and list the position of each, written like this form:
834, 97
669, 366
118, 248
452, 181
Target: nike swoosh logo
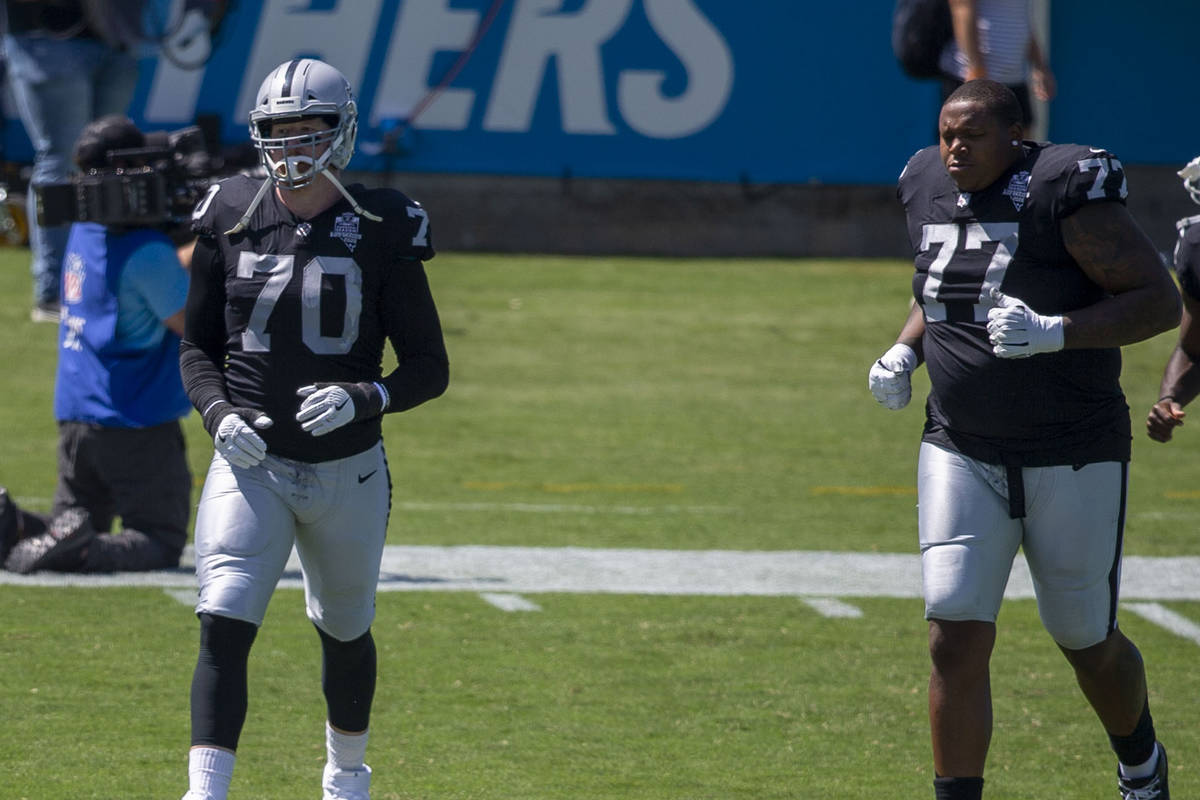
365, 478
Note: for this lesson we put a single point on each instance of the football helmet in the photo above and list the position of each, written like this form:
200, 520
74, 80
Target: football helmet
1191, 178
303, 87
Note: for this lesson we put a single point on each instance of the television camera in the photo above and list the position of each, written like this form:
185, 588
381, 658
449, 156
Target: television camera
157, 185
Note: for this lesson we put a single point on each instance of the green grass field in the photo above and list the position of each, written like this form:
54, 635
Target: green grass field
724, 400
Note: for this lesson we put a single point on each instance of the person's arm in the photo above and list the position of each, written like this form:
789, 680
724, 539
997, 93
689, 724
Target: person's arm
1116, 254
415, 331
890, 378
174, 323
1043, 83
1181, 377
964, 17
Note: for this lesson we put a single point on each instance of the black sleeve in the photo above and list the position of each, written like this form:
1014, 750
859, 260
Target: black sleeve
411, 321
202, 349
1187, 256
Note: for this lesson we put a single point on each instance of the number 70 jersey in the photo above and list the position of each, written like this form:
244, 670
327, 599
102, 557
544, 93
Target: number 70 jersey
1053, 408
289, 302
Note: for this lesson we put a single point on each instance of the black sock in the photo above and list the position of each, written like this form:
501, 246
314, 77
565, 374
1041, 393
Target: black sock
219, 693
957, 788
1137, 747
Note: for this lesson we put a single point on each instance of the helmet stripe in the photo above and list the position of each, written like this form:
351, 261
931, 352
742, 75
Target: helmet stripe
287, 78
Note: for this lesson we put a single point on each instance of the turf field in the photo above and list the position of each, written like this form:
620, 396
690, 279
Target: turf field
627, 405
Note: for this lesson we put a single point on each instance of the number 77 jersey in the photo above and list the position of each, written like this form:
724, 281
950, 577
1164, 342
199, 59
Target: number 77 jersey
288, 302
1054, 408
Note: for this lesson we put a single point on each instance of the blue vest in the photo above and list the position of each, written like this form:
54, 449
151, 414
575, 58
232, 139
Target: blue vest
99, 380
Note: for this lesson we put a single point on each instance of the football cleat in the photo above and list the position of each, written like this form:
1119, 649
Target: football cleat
1153, 787
57, 548
8, 524
346, 784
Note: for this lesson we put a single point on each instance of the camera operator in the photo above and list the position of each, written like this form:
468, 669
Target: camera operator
118, 395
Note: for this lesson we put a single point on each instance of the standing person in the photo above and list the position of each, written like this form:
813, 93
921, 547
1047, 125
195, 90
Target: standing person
1030, 276
64, 70
118, 397
1181, 377
993, 39
296, 288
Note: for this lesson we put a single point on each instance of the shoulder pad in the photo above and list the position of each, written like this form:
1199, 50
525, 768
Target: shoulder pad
224, 204
1075, 175
403, 217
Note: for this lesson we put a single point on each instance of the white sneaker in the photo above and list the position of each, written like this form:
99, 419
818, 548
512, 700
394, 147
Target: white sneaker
346, 784
191, 795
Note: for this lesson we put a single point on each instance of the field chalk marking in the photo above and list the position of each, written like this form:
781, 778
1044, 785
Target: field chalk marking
1166, 618
830, 607
510, 602
584, 570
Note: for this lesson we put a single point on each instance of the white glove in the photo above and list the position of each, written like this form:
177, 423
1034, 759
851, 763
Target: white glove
238, 442
1017, 331
324, 409
891, 377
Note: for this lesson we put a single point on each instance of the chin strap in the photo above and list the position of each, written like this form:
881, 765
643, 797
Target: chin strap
245, 220
362, 212
266, 184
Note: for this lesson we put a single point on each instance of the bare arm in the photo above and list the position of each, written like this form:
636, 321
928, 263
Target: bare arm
1043, 83
913, 331
1181, 377
174, 322
964, 18
1115, 253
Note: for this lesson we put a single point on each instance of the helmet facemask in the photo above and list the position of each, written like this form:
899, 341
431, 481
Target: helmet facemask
295, 161
1191, 178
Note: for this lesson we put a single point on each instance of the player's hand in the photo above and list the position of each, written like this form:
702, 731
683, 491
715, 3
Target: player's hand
890, 379
1017, 331
236, 439
329, 406
1165, 416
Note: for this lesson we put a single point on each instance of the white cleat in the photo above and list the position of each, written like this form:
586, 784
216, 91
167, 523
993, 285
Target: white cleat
346, 784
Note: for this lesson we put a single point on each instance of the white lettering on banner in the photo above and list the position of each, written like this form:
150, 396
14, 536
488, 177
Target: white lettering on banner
709, 66
538, 32
424, 28
174, 90
341, 36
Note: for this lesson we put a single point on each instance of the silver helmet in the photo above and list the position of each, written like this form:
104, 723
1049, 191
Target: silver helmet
303, 87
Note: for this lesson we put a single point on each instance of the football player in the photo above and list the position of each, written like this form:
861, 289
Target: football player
1030, 275
297, 284
1181, 378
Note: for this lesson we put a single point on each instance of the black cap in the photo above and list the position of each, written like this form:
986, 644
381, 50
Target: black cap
111, 132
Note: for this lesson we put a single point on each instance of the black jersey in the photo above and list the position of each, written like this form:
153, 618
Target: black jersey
289, 302
1065, 407
1187, 256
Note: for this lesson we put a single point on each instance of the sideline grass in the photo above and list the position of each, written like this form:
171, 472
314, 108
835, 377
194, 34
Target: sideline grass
668, 386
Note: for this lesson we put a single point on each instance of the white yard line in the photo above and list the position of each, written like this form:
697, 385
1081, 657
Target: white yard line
1166, 618
830, 607
510, 602
530, 570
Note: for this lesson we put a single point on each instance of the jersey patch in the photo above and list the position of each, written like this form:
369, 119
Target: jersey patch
345, 227
1018, 189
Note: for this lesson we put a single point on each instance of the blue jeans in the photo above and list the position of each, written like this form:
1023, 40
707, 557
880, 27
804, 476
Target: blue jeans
60, 85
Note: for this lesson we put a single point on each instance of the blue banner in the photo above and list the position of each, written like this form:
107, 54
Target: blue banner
765, 91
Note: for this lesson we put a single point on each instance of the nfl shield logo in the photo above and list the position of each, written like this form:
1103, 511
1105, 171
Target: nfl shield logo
72, 279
